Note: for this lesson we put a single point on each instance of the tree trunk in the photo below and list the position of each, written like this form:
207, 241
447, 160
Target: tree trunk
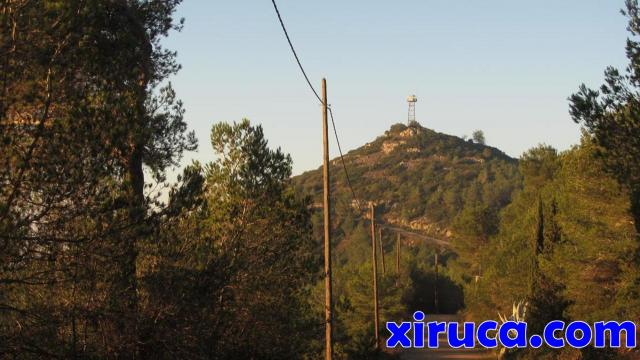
635, 207
126, 282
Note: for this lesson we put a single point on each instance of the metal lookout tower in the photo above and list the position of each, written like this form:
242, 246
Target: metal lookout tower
412, 100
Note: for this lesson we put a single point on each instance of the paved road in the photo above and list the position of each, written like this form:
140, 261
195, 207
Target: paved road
444, 351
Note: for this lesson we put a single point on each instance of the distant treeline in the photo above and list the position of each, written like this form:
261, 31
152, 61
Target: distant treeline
568, 243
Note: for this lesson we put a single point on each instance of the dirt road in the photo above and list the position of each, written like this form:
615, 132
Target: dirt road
444, 351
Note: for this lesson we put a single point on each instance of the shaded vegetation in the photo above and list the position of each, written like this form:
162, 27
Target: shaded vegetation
422, 181
95, 263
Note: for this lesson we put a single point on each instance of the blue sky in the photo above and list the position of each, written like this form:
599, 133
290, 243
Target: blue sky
503, 66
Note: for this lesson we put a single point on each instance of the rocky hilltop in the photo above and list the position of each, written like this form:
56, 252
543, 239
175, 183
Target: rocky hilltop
419, 178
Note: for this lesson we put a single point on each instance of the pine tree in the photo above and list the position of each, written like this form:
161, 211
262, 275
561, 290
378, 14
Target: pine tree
612, 115
82, 114
546, 302
237, 256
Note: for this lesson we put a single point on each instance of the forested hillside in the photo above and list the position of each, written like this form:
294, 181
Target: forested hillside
420, 179
101, 257
566, 246
553, 230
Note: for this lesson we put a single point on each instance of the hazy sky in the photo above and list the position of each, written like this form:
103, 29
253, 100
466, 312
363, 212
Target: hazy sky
506, 67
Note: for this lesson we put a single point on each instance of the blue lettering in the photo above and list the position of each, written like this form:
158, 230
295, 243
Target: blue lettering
584, 339
549, 334
513, 334
483, 334
418, 329
435, 328
615, 333
398, 334
467, 341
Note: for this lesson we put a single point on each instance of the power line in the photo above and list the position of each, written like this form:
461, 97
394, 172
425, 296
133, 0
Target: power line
293, 50
344, 165
333, 124
335, 132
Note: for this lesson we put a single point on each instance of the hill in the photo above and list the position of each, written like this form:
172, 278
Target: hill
420, 179
431, 183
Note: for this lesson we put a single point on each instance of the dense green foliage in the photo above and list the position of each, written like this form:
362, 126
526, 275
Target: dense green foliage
92, 263
568, 243
237, 257
565, 244
95, 263
84, 105
424, 182
612, 115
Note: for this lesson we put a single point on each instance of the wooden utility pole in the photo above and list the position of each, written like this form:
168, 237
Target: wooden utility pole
328, 309
374, 261
398, 254
435, 285
384, 268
